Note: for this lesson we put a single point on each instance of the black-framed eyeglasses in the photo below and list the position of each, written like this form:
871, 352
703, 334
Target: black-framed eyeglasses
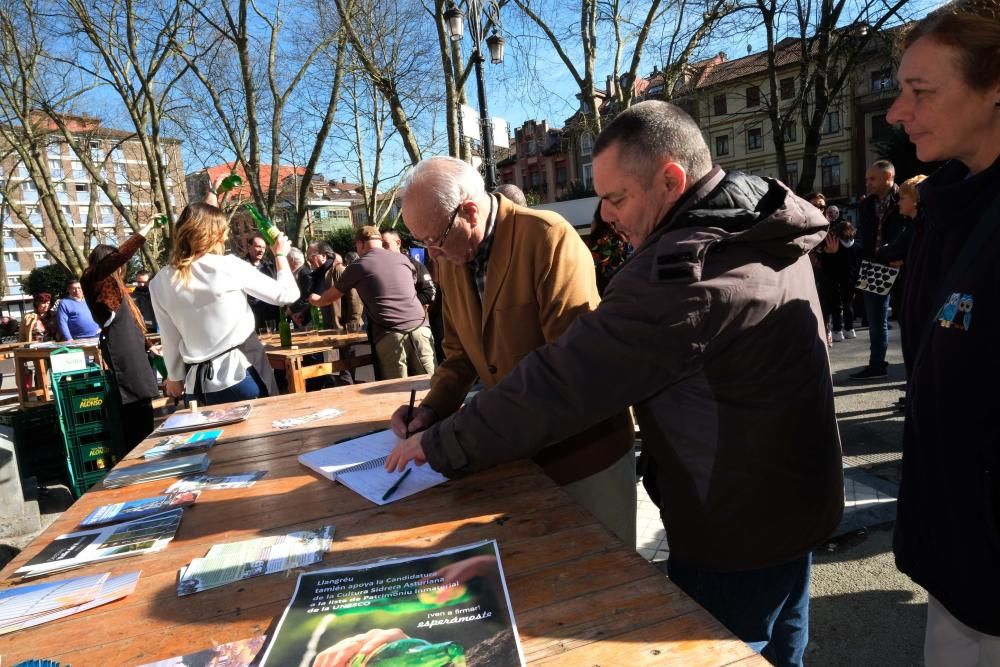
437, 245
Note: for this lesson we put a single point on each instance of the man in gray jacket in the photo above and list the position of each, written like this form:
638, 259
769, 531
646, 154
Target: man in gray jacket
713, 331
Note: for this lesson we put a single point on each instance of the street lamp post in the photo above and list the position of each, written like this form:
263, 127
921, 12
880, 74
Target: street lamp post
495, 43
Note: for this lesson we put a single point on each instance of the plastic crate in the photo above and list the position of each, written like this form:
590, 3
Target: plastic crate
79, 485
90, 454
82, 398
38, 441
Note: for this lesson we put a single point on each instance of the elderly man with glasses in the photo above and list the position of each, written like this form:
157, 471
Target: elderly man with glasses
513, 280
384, 279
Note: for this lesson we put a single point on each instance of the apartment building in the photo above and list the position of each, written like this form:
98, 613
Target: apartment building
122, 163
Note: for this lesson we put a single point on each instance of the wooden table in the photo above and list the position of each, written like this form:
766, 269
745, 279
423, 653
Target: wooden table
579, 596
290, 359
41, 391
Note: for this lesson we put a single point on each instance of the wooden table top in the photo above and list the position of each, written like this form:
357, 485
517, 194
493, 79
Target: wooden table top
579, 596
311, 344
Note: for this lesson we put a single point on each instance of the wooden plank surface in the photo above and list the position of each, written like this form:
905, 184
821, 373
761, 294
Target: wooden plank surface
579, 596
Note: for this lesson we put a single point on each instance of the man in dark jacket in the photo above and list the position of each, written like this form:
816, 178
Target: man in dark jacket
713, 331
882, 231
143, 301
263, 313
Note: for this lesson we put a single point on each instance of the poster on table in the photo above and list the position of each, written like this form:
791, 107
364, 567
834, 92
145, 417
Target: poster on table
441, 609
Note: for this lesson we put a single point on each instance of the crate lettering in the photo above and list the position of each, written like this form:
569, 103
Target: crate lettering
91, 402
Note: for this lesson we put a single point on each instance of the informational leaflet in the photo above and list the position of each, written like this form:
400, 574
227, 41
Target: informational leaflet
160, 469
190, 421
135, 509
226, 563
119, 540
180, 444
359, 464
214, 482
292, 422
445, 608
233, 654
34, 605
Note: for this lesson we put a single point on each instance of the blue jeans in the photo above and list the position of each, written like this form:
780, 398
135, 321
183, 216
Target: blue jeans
767, 608
247, 389
877, 312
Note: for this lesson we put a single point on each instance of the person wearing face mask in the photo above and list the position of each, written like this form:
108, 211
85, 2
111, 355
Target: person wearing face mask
947, 534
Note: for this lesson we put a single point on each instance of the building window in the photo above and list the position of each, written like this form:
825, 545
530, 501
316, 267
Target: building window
831, 123
722, 145
82, 187
531, 147
561, 175
13, 281
123, 189
588, 176
830, 174
586, 144
719, 104
792, 173
881, 80
880, 128
28, 186
8, 233
753, 97
41, 257
755, 139
790, 132
55, 168
787, 88
10, 257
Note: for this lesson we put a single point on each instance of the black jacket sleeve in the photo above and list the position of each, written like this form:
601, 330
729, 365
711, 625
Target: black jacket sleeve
423, 282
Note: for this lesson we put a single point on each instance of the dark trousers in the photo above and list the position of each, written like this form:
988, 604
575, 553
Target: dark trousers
766, 608
839, 297
136, 424
877, 310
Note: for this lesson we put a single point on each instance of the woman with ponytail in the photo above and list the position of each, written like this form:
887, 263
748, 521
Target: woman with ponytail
122, 341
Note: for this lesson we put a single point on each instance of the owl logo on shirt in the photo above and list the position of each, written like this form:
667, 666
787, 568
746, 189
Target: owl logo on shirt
956, 313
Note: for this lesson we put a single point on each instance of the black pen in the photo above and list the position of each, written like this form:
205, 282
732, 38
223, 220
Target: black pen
392, 489
409, 413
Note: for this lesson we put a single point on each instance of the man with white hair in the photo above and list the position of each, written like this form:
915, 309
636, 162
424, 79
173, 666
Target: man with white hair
513, 279
298, 312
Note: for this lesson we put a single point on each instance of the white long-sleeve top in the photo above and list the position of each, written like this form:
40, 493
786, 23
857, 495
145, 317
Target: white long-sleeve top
210, 315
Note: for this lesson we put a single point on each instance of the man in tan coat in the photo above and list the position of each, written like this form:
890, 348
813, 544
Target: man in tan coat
513, 280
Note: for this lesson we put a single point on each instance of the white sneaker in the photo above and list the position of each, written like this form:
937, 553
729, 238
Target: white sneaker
838, 336
850, 334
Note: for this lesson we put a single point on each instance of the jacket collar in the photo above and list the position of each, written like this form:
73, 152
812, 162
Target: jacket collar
500, 253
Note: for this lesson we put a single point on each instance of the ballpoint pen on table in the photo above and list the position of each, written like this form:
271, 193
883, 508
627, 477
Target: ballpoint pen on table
394, 487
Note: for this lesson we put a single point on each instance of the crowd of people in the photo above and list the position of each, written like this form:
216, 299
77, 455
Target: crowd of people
705, 302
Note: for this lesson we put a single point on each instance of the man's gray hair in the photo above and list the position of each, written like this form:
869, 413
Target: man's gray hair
513, 193
450, 180
295, 255
652, 131
885, 166
321, 247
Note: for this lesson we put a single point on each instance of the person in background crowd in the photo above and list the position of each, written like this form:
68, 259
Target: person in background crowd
38, 326
140, 294
402, 340
207, 327
123, 341
513, 193
818, 199
73, 318
321, 258
265, 315
299, 312
881, 229
514, 279
421, 276
720, 351
947, 534
608, 248
839, 269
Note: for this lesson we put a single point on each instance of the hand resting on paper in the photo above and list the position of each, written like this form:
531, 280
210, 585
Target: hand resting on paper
423, 418
343, 653
404, 452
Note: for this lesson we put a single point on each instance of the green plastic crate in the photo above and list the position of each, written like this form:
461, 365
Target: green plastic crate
83, 398
90, 454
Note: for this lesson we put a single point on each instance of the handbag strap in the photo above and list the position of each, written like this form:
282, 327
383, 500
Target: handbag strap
981, 233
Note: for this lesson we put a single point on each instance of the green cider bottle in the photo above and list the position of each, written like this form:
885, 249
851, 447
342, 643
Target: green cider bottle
267, 229
412, 652
317, 318
284, 329
228, 183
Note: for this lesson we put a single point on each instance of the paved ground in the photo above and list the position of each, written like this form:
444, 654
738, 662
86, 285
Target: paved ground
864, 612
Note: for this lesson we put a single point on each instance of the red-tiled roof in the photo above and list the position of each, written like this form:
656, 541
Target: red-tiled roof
223, 170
